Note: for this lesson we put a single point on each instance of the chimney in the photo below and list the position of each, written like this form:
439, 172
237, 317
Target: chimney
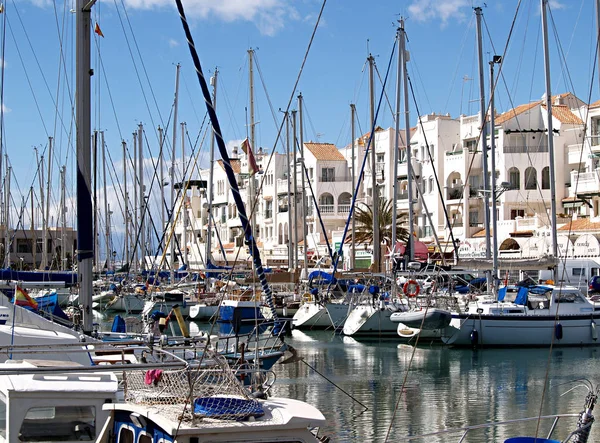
234, 152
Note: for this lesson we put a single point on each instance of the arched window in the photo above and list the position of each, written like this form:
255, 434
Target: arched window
326, 204
530, 178
546, 178
514, 178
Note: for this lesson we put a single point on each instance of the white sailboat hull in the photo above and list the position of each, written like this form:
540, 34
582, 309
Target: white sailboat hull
369, 320
311, 316
338, 313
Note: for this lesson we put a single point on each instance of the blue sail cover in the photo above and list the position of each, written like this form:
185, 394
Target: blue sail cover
502, 293
522, 296
69, 278
323, 276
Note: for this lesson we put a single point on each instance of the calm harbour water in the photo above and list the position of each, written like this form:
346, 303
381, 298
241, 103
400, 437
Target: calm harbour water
443, 387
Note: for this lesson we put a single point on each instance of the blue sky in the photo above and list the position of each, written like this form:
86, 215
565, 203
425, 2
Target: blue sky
143, 40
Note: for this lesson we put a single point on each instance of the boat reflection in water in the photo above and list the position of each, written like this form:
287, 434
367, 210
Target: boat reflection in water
445, 388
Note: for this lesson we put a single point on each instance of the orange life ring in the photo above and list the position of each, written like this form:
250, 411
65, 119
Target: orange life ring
407, 291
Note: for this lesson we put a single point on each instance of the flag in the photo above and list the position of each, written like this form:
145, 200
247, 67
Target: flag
23, 299
97, 30
252, 166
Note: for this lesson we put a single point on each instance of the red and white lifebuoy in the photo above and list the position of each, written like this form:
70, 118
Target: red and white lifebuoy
411, 288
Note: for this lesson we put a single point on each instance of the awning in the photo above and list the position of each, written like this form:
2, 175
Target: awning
586, 245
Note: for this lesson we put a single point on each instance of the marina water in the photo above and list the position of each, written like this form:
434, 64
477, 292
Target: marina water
444, 388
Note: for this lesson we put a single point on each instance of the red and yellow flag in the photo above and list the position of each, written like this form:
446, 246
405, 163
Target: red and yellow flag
252, 166
22, 298
97, 30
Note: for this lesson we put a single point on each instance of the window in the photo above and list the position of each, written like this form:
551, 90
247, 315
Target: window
546, 178
530, 178
24, 246
327, 174
269, 209
2, 419
402, 156
578, 272
126, 435
473, 218
471, 145
431, 185
60, 423
145, 438
380, 158
514, 213
432, 152
514, 178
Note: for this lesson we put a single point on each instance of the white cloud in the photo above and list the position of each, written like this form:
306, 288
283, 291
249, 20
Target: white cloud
268, 15
555, 4
6, 108
425, 10
173, 42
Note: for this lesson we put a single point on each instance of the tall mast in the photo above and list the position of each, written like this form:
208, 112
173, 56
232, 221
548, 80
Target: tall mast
161, 165
354, 163
7, 207
375, 191
47, 208
135, 202
63, 209
125, 204
85, 243
483, 139
184, 213
142, 203
251, 190
411, 215
210, 190
496, 59
303, 193
96, 261
32, 227
172, 218
106, 217
295, 189
550, 137
289, 193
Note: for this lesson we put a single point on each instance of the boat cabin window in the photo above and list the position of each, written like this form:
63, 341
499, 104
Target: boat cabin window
59, 423
568, 297
144, 438
126, 435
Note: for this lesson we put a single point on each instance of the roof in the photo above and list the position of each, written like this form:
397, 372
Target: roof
324, 151
564, 115
595, 105
235, 163
508, 115
581, 224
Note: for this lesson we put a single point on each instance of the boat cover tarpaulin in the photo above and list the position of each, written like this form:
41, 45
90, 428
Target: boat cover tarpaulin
65, 277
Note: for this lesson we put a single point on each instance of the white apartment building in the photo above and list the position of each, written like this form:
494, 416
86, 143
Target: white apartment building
448, 170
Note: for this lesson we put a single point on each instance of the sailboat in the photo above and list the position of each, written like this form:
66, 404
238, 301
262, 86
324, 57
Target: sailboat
540, 315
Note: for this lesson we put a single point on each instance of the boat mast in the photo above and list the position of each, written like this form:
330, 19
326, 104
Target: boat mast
63, 209
294, 150
289, 194
375, 191
135, 224
544, 4
172, 236
251, 190
142, 203
125, 203
303, 194
211, 173
495, 59
106, 217
161, 165
353, 162
32, 226
399, 39
184, 213
7, 208
483, 140
85, 241
46, 209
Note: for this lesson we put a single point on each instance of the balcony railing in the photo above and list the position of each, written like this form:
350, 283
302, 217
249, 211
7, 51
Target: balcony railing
327, 209
524, 149
343, 209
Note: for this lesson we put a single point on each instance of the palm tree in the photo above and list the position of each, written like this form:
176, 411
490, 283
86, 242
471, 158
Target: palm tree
364, 228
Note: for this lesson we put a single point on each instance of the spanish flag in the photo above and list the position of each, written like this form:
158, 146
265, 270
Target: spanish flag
23, 299
252, 166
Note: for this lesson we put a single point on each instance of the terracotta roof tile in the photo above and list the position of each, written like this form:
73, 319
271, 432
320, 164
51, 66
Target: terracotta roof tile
564, 115
595, 105
581, 224
508, 115
236, 165
324, 151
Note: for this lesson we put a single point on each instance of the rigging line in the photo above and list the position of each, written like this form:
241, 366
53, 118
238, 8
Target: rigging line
370, 145
318, 212
37, 105
60, 57
306, 113
468, 29
38, 65
262, 81
387, 98
135, 67
565, 56
108, 89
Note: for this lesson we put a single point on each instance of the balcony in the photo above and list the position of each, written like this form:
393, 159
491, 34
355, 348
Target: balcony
327, 209
582, 182
574, 154
455, 193
403, 168
344, 209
